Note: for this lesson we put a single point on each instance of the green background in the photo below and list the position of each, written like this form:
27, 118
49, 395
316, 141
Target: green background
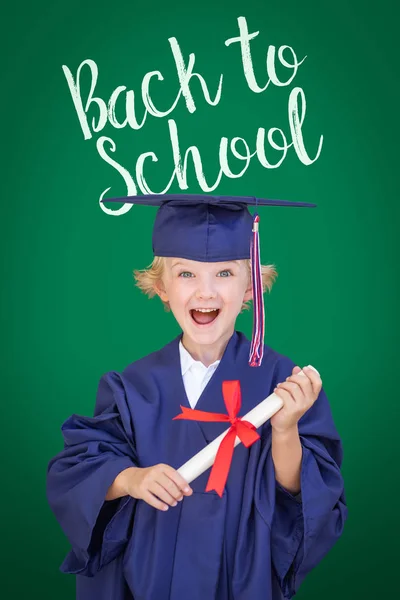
69, 307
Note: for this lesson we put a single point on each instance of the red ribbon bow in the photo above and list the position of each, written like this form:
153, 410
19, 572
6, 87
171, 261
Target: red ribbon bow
244, 430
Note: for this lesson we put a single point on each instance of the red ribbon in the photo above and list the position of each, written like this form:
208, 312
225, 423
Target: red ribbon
245, 431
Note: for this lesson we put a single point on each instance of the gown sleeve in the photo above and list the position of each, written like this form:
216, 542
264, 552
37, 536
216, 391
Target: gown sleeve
306, 526
95, 450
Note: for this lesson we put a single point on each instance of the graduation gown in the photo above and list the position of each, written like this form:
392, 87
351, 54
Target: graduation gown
256, 542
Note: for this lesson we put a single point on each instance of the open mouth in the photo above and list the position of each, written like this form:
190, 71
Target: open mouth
204, 317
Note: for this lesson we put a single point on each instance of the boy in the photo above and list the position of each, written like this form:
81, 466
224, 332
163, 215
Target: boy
137, 529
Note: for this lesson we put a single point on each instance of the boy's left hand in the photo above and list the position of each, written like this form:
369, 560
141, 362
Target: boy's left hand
298, 394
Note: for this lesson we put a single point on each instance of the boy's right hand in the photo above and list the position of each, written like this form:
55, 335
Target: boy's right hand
160, 486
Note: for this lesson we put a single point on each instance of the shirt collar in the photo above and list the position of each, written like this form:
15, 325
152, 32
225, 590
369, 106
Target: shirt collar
187, 360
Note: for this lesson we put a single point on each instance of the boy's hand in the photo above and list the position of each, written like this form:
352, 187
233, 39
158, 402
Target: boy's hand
298, 394
160, 486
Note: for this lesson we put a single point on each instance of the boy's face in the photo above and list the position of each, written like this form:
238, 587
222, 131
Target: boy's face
190, 285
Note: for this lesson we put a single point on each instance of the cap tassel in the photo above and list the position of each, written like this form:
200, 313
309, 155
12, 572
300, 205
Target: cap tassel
257, 341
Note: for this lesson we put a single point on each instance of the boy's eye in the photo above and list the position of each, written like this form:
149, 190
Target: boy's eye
225, 273
186, 274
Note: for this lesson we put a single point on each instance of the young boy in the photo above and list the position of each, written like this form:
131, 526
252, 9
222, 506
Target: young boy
138, 530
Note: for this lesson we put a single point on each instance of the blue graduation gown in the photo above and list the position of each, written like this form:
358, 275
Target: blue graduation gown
257, 541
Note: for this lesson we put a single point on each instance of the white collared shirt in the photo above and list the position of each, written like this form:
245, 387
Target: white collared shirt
195, 375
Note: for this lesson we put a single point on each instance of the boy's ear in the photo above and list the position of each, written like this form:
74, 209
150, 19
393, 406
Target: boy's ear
160, 290
248, 295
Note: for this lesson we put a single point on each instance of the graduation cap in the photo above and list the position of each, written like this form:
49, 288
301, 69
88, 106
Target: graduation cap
213, 229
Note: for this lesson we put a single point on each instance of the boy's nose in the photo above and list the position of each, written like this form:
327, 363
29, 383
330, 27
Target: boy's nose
205, 290
205, 293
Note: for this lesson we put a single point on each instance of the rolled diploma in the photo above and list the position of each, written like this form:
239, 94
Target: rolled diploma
204, 459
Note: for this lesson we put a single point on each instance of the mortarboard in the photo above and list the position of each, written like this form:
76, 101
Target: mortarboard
213, 229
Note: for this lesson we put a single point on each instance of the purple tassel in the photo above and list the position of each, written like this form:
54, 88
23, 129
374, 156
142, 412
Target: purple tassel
257, 341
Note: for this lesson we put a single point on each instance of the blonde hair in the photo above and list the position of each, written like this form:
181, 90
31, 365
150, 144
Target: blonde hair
146, 279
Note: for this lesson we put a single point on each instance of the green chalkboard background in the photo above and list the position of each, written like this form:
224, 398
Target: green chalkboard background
69, 307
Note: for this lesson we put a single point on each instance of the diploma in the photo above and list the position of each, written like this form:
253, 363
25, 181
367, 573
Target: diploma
204, 459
